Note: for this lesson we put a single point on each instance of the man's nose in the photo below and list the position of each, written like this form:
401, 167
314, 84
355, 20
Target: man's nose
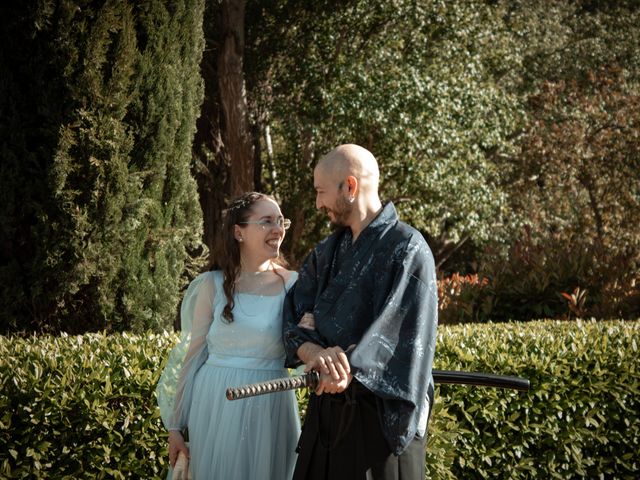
319, 204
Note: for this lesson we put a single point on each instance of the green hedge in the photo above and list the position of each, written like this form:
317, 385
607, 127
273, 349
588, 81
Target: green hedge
84, 406
581, 418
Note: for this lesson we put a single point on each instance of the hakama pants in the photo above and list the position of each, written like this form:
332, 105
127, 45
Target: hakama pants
342, 439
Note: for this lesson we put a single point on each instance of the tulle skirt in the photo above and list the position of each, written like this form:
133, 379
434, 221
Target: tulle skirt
248, 439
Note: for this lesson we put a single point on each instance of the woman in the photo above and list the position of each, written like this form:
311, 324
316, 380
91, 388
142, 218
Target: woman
232, 336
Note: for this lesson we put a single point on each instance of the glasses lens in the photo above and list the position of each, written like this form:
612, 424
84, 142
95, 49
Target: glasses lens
265, 224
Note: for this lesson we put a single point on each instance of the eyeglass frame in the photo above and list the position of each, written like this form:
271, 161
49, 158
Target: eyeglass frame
283, 223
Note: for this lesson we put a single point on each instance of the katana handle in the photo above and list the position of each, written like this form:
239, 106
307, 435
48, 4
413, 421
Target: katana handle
277, 385
449, 377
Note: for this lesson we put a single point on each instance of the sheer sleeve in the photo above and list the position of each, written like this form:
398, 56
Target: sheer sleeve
175, 387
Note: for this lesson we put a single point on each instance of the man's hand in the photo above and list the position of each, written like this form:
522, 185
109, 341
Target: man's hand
307, 321
329, 361
327, 384
332, 364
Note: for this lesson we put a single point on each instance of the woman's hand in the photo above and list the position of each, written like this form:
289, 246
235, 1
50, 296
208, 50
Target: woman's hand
176, 445
307, 321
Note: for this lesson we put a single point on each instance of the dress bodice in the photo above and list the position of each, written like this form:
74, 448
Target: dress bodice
254, 338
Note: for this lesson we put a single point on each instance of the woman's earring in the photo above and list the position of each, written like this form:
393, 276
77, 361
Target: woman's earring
240, 239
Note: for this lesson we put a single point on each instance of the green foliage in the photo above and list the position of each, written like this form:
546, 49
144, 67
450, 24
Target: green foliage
530, 281
567, 40
110, 207
459, 298
31, 107
543, 277
574, 182
581, 417
577, 181
485, 116
85, 405
407, 80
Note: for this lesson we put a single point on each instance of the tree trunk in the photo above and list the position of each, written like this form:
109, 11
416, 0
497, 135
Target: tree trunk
236, 131
211, 165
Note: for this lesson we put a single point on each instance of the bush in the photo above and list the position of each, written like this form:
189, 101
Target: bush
529, 282
459, 298
85, 405
581, 418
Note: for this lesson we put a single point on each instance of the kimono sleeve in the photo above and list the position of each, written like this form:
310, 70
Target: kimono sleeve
299, 300
174, 390
394, 358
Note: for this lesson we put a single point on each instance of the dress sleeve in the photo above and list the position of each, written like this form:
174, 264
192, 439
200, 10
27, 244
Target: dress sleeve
175, 387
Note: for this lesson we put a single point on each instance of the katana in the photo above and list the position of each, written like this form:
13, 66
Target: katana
276, 385
449, 377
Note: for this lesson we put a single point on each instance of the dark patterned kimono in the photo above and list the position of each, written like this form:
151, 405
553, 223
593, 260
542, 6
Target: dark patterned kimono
379, 293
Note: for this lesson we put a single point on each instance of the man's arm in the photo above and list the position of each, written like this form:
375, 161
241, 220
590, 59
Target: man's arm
298, 325
394, 357
302, 342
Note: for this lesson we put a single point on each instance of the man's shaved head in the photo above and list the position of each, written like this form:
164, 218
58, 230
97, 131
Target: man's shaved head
350, 159
346, 183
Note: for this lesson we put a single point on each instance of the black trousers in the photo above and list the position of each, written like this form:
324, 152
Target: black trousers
342, 439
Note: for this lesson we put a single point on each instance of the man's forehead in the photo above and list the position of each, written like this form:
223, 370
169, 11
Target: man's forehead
323, 176
319, 177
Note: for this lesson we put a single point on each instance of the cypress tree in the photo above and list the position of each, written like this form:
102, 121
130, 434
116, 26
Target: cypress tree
116, 213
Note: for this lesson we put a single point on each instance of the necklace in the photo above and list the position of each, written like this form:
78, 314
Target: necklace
254, 282
245, 273
253, 278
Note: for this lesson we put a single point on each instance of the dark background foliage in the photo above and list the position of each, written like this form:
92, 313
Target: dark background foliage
99, 208
507, 132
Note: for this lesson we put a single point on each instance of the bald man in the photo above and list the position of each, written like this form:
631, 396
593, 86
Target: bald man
363, 313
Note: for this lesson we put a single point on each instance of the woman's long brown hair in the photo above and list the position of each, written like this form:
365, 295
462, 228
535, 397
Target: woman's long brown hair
227, 255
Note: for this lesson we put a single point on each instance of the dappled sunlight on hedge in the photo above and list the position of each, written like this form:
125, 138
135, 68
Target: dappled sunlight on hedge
85, 406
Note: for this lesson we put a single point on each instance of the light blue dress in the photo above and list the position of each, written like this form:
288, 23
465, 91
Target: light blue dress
253, 438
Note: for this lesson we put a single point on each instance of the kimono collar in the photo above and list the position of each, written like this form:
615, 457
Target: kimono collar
387, 216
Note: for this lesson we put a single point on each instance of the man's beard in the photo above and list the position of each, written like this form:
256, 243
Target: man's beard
341, 212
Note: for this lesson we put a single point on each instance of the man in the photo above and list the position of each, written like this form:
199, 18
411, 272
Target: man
363, 313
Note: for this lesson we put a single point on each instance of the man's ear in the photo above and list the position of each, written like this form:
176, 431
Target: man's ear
352, 185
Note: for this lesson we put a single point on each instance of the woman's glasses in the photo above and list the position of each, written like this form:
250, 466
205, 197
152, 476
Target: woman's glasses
266, 224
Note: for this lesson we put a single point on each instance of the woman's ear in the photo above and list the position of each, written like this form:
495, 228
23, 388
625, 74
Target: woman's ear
237, 233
